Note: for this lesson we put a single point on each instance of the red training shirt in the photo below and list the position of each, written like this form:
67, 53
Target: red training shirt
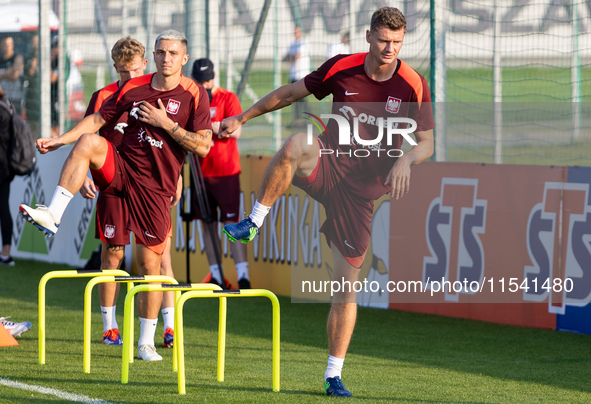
404, 95
223, 158
113, 133
154, 157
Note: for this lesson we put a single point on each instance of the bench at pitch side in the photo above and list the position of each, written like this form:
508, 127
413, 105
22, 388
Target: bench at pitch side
82, 273
127, 356
88, 304
178, 330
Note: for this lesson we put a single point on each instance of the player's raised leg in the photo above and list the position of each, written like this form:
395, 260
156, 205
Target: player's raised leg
148, 303
90, 151
297, 157
340, 325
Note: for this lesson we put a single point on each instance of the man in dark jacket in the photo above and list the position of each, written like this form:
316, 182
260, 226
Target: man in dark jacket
6, 177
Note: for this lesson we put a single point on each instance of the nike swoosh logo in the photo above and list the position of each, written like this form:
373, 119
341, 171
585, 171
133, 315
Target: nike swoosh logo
203, 68
349, 245
348, 93
136, 103
149, 235
231, 214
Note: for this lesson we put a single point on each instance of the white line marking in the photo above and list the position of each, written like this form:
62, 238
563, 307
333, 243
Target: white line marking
58, 393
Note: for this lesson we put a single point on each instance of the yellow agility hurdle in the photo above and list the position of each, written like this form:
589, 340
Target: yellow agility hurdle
88, 303
222, 336
82, 273
128, 316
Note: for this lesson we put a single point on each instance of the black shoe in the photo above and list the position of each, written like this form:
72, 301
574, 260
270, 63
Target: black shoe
244, 283
7, 261
215, 282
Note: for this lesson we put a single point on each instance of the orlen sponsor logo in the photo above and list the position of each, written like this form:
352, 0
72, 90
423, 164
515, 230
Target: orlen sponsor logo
559, 247
143, 137
455, 220
350, 119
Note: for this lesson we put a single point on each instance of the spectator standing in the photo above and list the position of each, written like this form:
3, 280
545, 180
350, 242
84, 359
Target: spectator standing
6, 177
341, 47
11, 71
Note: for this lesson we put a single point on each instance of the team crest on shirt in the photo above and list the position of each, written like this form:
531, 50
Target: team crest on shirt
109, 231
393, 105
212, 112
173, 106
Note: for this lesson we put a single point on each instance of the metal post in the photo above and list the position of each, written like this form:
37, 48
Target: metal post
438, 32
576, 73
150, 32
192, 26
45, 67
124, 18
61, 80
103, 30
229, 68
253, 49
351, 24
498, 86
276, 76
214, 37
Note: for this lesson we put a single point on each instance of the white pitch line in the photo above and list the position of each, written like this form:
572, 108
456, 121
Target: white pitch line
78, 398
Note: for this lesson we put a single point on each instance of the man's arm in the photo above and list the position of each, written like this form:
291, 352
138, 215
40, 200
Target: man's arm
234, 135
197, 143
399, 176
90, 124
276, 99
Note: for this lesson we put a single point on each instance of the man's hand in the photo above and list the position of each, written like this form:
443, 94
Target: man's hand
88, 190
230, 125
399, 177
156, 117
46, 145
216, 127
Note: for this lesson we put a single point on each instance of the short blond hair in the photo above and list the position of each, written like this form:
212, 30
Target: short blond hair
172, 35
126, 50
388, 17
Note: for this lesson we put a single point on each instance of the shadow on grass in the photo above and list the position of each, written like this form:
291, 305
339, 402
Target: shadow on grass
498, 351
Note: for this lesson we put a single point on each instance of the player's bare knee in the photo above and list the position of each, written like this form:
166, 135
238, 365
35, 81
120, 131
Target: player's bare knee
301, 146
112, 255
304, 154
90, 146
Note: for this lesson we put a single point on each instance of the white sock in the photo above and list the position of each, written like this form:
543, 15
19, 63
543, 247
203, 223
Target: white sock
215, 273
59, 203
3, 257
168, 317
109, 319
147, 331
259, 212
334, 368
242, 270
